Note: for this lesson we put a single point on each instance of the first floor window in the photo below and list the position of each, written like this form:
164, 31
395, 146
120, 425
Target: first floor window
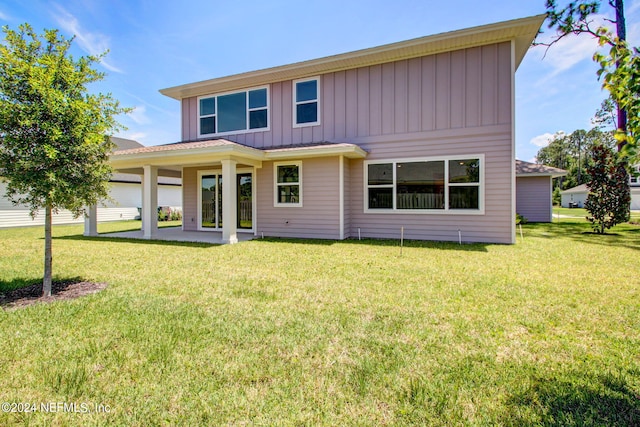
424, 185
288, 188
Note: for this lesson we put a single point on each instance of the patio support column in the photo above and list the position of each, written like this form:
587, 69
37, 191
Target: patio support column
91, 221
229, 202
150, 202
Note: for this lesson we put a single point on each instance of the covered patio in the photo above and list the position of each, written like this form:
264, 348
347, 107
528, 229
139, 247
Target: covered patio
222, 165
176, 234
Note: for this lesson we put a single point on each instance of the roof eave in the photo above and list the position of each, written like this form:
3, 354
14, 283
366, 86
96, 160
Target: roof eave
522, 31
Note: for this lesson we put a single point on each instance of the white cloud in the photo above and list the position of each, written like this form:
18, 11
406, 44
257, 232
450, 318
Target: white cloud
139, 115
92, 43
3, 16
544, 139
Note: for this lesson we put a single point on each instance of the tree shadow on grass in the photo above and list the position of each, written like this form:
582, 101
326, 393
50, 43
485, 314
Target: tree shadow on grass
133, 240
627, 236
592, 400
22, 292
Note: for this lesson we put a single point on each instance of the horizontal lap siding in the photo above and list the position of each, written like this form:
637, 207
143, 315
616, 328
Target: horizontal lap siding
190, 199
318, 217
533, 198
496, 223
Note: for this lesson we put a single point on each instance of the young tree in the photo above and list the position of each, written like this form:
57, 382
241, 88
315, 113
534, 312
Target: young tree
53, 133
609, 196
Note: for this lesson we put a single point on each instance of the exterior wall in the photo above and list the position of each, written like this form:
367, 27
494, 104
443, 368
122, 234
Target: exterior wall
578, 198
190, 199
495, 225
453, 90
453, 103
533, 198
127, 198
319, 216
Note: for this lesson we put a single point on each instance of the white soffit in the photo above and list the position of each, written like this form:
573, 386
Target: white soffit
522, 31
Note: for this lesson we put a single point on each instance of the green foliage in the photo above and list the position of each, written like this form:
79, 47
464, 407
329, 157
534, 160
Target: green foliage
609, 196
54, 149
620, 70
570, 152
520, 219
557, 196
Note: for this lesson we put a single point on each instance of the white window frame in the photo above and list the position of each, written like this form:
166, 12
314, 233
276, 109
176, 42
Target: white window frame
447, 185
276, 185
248, 117
295, 103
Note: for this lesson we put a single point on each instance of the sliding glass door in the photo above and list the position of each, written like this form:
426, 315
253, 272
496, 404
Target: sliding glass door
211, 201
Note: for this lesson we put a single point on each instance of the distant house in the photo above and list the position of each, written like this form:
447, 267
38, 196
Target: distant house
126, 192
577, 196
534, 190
417, 134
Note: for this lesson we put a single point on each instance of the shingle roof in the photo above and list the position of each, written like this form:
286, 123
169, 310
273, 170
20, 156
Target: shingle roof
190, 145
533, 169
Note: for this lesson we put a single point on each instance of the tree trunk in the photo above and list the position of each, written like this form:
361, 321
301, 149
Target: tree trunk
46, 282
621, 31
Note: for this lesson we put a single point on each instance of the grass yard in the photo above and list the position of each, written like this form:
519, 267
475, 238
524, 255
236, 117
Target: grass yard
294, 332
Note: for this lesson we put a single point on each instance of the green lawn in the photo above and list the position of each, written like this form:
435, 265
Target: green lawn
293, 332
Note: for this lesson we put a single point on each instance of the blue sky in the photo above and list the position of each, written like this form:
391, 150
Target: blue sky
159, 44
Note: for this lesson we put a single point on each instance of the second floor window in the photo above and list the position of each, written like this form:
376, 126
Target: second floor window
306, 102
234, 112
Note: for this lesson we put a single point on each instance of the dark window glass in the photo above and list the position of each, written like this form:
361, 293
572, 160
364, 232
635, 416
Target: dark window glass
289, 173
207, 106
380, 174
420, 185
288, 194
232, 112
307, 91
463, 197
380, 198
307, 113
464, 170
258, 98
207, 125
258, 119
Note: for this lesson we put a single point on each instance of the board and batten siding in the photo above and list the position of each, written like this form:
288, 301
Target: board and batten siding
453, 90
319, 215
533, 198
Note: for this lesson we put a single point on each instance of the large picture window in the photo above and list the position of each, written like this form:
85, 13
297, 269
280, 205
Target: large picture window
234, 112
306, 102
424, 185
288, 184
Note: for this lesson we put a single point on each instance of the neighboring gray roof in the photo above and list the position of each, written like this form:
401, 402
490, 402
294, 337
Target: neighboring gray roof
532, 169
576, 190
125, 144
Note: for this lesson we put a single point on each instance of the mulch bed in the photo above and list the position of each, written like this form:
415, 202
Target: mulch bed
60, 291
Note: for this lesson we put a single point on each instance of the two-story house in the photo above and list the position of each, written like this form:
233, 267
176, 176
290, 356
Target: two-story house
416, 135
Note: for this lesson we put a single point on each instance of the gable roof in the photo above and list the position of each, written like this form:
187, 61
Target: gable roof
532, 169
522, 31
582, 188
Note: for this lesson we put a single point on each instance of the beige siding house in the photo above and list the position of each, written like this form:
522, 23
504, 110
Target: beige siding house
416, 134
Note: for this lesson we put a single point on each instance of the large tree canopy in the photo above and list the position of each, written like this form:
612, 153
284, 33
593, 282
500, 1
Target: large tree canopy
53, 132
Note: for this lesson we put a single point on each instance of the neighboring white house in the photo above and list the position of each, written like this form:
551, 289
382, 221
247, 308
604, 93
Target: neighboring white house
576, 196
126, 192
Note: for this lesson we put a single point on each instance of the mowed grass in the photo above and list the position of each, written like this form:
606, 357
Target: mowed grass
298, 332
